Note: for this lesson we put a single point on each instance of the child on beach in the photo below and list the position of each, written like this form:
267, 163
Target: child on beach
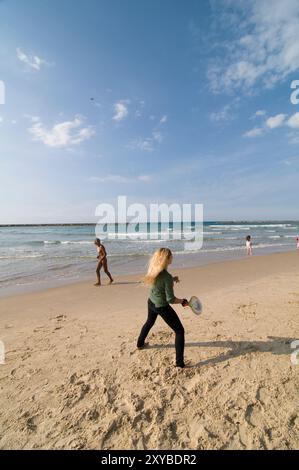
160, 296
249, 245
102, 257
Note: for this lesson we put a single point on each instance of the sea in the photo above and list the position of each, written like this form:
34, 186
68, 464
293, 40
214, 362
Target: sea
34, 257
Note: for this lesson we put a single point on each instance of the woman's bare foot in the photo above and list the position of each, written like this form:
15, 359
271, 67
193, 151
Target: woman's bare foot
97, 284
110, 282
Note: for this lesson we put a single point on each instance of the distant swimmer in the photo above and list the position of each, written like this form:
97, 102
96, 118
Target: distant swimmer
249, 245
297, 242
102, 263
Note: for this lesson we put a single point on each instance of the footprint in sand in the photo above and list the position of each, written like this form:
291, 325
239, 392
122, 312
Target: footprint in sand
254, 415
38, 329
247, 310
294, 421
30, 423
59, 318
263, 396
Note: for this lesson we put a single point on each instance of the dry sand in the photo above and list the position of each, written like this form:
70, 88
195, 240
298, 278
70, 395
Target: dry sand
74, 380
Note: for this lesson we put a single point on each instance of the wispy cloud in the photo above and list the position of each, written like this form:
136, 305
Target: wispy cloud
265, 48
120, 110
255, 132
32, 61
222, 115
147, 144
259, 114
294, 160
293, 138
163, 119
226, 113
64, 134
114, 178
157, 136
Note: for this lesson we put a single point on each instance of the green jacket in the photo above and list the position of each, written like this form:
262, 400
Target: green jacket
161, 292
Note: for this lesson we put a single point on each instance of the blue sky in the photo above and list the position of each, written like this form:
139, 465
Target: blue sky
162, 101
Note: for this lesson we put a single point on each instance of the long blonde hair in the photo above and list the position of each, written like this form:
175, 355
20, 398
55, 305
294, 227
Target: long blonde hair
158, 262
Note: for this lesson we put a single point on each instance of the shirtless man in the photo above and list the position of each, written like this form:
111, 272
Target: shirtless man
102, 257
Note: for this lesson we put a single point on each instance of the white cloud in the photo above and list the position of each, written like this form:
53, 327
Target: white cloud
146, 144
63, 134
275, 121
265, 48
222, 115
255, 132
144, 178
33, 61
163, 119
226, 113
157, 136
261, 112
114, 178
121, 110
1, 119
293, 122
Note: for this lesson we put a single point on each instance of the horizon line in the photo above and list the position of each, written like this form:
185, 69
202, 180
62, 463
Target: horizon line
235, 221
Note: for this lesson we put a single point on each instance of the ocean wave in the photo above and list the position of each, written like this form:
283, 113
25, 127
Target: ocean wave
231, 248
79, 242
58, 242
250, 226
22, 256
59, 267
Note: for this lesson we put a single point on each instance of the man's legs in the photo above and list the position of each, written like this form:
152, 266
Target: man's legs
105, 266
98, 273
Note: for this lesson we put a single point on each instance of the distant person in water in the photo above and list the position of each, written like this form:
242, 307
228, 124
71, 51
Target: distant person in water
161, 295
297, 242
249, 245
102, 263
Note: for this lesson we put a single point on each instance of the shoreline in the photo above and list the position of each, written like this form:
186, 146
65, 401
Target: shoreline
19, 290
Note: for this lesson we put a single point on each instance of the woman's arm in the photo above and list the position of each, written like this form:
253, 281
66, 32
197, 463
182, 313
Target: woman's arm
183, 302
171, 298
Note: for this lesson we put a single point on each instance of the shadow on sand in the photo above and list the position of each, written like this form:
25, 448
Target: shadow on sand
276, 345
117, 283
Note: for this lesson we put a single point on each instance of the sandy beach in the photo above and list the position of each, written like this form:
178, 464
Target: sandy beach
74, 380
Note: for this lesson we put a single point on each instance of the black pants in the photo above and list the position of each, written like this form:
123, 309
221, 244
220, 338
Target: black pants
170, 317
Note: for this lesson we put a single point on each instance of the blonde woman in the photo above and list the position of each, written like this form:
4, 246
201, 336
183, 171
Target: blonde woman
160, 296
